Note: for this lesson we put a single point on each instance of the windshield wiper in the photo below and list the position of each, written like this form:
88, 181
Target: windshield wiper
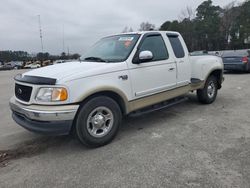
96, 59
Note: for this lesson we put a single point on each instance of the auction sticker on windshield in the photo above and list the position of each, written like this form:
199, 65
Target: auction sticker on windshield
126, 38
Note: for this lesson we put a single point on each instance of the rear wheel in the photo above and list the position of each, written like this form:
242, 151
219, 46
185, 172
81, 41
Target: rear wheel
98, 121
208, 94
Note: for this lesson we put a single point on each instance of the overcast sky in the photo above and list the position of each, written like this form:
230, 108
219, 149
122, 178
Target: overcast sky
84, 21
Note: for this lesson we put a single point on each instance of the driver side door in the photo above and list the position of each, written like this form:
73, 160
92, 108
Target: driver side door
156, 75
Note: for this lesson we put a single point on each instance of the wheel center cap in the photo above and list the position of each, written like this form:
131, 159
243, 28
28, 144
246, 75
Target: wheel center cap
98, 121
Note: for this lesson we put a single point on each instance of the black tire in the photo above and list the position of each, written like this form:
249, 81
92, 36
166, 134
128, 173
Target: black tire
204, 95
83, 125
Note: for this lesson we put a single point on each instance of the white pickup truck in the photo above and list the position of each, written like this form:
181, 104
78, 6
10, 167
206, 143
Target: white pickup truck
119, 75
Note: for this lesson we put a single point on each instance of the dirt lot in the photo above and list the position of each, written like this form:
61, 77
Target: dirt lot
188, 145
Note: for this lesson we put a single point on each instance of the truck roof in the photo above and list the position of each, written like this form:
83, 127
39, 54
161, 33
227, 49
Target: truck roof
145, 32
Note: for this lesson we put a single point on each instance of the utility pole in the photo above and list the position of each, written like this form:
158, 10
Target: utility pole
40, 31
63, 43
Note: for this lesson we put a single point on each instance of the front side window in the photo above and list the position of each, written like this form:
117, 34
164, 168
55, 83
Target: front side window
112, 49
156, 45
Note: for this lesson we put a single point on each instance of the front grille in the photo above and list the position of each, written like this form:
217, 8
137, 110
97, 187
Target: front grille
22, 92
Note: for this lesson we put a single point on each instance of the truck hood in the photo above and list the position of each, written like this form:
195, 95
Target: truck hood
75, 69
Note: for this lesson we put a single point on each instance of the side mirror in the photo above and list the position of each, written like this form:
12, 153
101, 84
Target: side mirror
145, 56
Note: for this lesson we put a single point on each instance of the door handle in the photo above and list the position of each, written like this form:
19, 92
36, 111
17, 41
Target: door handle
171, 69
181, 61
123, 77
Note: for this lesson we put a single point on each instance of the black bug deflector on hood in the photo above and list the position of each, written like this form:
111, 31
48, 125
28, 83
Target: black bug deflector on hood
35, 80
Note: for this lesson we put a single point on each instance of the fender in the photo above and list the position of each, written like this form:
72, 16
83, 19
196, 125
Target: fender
102, 89
220, 76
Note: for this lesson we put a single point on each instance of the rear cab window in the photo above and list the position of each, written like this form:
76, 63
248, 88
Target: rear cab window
176, 45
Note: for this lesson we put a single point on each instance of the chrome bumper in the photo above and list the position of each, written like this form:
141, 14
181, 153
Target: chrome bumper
49, 120
44, 113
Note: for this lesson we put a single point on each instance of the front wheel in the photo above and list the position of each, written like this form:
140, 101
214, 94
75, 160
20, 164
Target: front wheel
208, 94
98, 121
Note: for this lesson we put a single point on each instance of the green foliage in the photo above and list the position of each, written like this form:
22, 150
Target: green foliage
215, 28
6, 56
42, 56
207, 11
208, 25
13, 56
243, 21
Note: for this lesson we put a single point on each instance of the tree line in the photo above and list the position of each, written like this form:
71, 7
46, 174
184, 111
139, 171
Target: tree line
210, 27
6, 56
214, 28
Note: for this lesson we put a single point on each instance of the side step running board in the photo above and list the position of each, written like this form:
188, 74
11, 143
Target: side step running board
195, 80
159, 106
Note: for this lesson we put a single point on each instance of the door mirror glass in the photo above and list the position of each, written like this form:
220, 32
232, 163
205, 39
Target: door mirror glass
145, 56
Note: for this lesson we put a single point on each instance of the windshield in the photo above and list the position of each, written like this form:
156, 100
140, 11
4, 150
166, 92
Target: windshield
112, 49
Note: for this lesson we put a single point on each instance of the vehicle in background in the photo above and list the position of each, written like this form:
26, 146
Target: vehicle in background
216, 53
17, 64
47, 63
198, 53
32, 66
1, 64
58, 62
6, 66
11, 65
236, 60
69, 60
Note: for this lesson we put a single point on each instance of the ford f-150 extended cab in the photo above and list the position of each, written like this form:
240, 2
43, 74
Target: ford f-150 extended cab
119, 75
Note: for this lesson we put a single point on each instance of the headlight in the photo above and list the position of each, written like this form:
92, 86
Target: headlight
52, 94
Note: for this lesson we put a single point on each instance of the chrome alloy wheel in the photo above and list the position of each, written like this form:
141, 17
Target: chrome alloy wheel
211, 90
100, 121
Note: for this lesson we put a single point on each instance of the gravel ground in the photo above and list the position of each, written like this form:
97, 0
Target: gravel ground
188, 145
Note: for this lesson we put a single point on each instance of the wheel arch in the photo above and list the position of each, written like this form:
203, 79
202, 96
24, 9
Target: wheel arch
115, 94
218, 73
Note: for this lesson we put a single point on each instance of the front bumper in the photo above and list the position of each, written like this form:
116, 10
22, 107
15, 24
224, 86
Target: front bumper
49, 120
